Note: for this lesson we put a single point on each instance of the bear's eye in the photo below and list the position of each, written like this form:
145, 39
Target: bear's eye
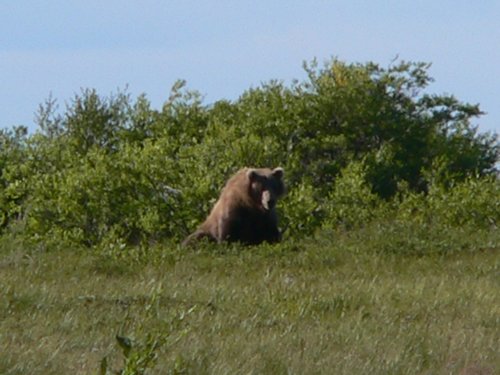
271, 183
257, 187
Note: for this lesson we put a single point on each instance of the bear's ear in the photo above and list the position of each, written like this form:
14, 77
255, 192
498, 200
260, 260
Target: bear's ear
252, 174
278, 173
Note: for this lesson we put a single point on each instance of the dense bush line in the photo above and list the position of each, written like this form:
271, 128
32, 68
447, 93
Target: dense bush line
357, 142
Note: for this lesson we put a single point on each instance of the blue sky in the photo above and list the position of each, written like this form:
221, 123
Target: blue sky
224, 47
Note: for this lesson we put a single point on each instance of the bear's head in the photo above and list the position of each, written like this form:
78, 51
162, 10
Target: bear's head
266, 186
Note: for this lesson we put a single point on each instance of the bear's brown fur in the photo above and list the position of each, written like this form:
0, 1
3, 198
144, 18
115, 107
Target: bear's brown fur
245, 211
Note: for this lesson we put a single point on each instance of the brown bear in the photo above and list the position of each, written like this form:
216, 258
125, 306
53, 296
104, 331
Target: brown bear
245, 211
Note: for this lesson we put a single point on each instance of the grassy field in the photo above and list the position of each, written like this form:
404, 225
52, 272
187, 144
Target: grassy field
371, 301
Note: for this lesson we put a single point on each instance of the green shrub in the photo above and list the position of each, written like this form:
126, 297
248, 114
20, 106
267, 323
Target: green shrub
302, 212
13, 189
474, 201
126, 192
351, 201
349, 137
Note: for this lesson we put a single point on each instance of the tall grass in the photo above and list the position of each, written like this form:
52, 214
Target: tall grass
382, 299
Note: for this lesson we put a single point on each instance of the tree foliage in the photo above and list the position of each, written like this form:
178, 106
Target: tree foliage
350, 137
